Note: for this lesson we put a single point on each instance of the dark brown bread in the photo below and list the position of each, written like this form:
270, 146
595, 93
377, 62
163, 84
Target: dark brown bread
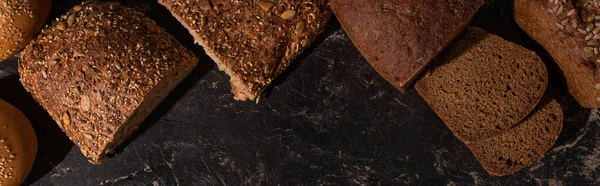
100, 70
20, 22
399, 38
483, 85
570, 33
522, 145
253, 41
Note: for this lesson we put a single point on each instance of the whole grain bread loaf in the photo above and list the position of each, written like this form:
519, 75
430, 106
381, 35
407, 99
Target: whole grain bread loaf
482, 85
99, 70
252, 41
570, 32
523, 144
399, 38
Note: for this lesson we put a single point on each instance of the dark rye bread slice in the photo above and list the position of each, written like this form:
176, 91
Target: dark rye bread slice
253, 41
100, 70
483, 85
523, 144
570, 32
399, 38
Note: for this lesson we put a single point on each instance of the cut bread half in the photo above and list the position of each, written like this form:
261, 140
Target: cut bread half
399, 38
252, 41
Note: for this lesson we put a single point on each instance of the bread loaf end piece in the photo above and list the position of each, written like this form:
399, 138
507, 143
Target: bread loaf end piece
482, 85
100, 70
522, 145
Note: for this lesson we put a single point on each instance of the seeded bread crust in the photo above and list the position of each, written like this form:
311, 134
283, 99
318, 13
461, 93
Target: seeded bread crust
20, 22
18, 145
522, 145
252, 41
483, 85
570, 32
99, 70
399, 38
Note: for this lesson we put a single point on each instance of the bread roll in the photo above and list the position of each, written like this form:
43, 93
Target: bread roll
18, 145
100, 70
20, 21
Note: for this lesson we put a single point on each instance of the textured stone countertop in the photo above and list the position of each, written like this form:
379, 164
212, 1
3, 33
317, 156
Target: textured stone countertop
328, 119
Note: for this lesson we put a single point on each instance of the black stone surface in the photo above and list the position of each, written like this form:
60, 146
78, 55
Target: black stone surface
327, 120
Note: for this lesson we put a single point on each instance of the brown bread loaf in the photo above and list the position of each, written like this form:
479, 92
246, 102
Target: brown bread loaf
100, 70
18, 145
482, 85
20, 22
252, 41
399, 38
522, 145
570, 32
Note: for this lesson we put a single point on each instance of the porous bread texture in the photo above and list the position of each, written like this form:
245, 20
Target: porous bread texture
482, 85
100, 70
523, 144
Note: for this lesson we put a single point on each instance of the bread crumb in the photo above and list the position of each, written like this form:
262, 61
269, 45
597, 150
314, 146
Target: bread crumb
337, 36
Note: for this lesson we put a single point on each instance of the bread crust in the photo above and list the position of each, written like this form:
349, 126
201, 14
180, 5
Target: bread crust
572, 48
18, 145
99, 70
20, 22
252, 41
399, 38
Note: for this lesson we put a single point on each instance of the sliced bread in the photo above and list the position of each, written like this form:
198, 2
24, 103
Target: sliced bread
483, 85
252, 41
399, 38
100, 70
522, 145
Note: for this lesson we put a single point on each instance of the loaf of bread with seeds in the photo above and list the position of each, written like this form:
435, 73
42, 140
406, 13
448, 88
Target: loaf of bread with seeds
20, 22
400, 37
99, 70
253, 41
570, 32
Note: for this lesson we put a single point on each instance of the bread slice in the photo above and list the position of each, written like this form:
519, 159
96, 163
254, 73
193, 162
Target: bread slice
100, 70
568, 31
252, 41
522, 145
399, 38
483, 85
